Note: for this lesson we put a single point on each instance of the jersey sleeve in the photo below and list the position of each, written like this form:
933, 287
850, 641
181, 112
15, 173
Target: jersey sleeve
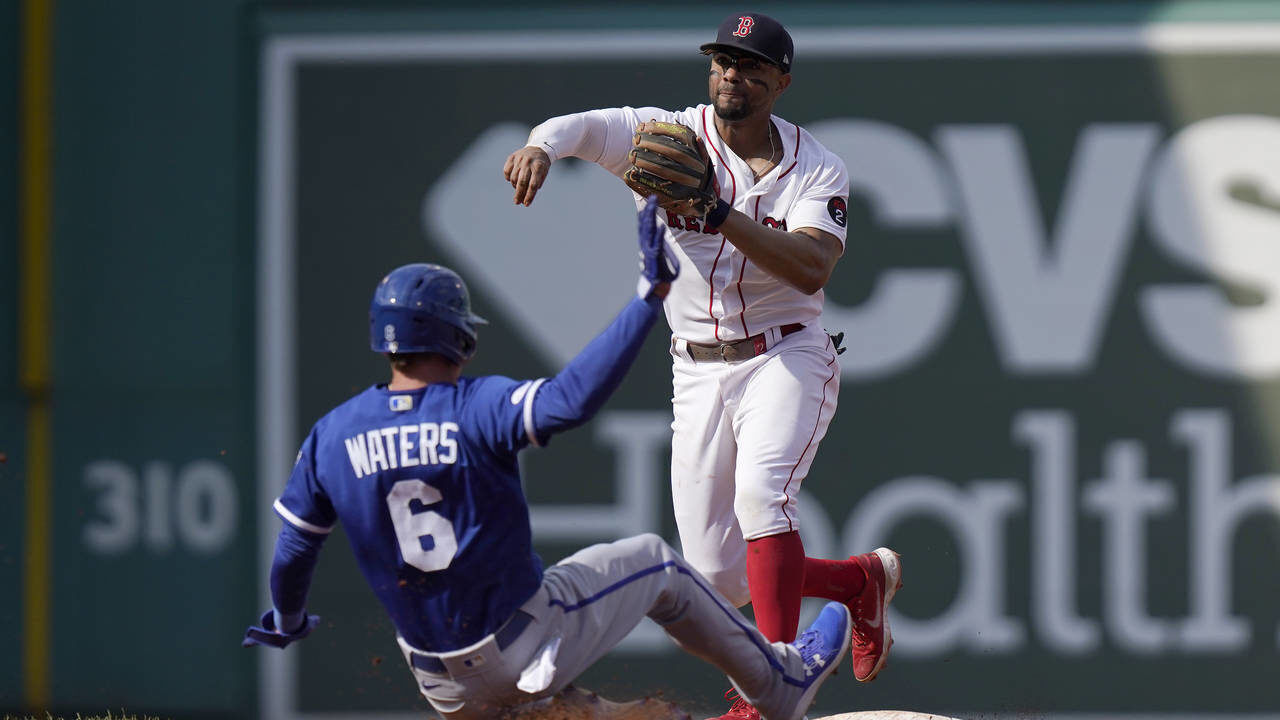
577, 392
603, 137
294, 563
500, 410
824, 201
304, 504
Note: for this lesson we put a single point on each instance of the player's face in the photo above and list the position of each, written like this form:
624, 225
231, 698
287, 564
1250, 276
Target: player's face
741, 85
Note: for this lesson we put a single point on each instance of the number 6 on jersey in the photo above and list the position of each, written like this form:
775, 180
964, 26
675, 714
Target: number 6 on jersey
412, 528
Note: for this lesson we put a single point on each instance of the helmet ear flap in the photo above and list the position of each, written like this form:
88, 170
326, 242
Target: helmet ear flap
465, 343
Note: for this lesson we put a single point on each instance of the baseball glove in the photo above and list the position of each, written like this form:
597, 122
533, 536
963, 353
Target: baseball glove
669, 161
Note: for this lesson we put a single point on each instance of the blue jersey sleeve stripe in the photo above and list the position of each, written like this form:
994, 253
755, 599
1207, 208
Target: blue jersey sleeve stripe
529, 429
298, 522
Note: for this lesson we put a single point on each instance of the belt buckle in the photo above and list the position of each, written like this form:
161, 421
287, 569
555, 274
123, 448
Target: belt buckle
735, 351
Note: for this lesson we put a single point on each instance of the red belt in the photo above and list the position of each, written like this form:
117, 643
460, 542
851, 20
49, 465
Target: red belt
738, 349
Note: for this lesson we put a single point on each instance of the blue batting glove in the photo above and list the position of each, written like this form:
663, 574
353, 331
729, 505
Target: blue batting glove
657, 266
265, 634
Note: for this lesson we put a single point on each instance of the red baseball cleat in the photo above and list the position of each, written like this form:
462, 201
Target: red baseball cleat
740, 709
870, 609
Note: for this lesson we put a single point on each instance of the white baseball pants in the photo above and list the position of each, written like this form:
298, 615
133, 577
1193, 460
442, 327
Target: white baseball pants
743, 438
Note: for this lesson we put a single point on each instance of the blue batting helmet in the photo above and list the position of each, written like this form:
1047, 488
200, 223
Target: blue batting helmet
423, 308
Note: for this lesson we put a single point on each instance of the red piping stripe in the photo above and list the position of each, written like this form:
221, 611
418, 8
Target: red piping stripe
711, 281
711, 285
790, 523
742, 316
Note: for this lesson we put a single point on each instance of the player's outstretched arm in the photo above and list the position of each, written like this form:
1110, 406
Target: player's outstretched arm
578, 391
292, 567
599, 136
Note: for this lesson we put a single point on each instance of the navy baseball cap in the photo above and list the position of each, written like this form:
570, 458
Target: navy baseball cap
754, 34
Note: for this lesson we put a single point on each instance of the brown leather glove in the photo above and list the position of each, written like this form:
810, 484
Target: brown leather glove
669, 161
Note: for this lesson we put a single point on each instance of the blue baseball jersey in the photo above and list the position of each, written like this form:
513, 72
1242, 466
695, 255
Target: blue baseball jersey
427, 485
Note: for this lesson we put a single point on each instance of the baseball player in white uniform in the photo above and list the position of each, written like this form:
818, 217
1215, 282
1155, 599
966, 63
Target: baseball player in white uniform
755, 375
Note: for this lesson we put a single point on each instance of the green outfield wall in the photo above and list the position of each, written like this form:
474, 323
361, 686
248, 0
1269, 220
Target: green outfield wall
153, 564
155, 567
1060, 402
11, 435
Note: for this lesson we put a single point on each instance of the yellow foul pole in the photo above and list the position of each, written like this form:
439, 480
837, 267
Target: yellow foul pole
36, 213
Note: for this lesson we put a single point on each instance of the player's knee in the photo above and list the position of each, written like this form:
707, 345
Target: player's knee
657, 547
649, 546
762, 510
729, 582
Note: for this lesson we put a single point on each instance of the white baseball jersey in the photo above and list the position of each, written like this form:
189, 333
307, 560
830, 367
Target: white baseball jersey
720, 295
744, 433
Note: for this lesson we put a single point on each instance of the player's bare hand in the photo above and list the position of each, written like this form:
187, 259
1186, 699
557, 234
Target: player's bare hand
526, 169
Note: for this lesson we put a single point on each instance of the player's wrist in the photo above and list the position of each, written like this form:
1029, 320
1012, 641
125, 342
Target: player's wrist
649, 289
718, 214
289, 623
545, 148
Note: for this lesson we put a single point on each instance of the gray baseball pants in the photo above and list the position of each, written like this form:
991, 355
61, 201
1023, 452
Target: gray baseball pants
586, 605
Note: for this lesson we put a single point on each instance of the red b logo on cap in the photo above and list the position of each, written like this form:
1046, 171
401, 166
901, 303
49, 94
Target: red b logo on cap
744, 26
